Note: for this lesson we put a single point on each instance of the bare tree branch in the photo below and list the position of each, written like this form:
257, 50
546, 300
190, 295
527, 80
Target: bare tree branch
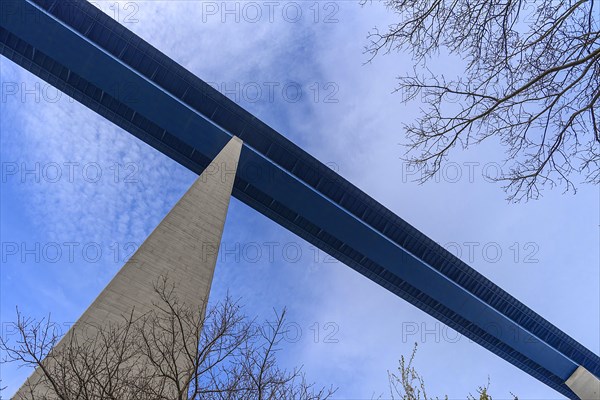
225, 356
531, 81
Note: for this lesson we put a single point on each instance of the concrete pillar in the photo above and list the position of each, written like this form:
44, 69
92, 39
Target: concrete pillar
584, 384
183, 247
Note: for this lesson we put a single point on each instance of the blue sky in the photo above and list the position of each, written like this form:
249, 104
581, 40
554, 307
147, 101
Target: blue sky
350, 330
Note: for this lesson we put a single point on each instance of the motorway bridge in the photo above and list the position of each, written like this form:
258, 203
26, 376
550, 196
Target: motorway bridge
92, 58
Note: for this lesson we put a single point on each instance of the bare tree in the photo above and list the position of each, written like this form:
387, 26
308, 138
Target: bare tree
408, 384
227, 356
531, 80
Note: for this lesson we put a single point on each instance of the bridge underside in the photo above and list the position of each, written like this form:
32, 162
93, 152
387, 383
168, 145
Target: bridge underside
90, 57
